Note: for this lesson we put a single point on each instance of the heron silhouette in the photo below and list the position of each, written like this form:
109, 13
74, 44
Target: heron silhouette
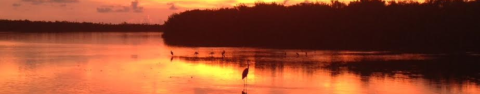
245, 74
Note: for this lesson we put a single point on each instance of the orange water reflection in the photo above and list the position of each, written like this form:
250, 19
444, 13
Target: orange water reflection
139, 63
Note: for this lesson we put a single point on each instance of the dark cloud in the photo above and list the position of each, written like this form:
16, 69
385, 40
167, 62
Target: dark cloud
172, 6
63, 1
16, 4
107, 9
50, 1
104, 9
123, 9
133, 6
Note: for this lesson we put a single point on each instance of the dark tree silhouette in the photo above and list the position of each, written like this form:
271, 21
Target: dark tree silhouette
437, 25
64, 26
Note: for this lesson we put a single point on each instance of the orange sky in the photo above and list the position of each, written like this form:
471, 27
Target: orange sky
113, 11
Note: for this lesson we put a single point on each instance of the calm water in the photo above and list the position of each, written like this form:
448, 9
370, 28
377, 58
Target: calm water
140, 63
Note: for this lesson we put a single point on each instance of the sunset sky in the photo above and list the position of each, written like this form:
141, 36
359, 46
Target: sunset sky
113, 11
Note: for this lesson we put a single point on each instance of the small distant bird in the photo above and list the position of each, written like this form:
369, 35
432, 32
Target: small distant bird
223, 53
196, 53
171, 52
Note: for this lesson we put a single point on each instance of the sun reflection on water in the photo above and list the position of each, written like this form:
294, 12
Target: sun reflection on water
138, 65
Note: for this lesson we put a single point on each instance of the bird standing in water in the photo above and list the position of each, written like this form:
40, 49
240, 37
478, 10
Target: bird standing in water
245, 72
244, 76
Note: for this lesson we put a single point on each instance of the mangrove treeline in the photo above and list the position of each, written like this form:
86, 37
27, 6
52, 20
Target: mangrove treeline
65, 26
436, 25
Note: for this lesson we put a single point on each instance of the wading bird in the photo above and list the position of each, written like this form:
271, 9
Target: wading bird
244, 75
245, 71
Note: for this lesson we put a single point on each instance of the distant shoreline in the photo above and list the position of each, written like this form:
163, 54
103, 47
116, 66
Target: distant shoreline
65, 26
450, 26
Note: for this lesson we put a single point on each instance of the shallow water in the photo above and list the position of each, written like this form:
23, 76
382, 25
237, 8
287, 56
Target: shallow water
140, 63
